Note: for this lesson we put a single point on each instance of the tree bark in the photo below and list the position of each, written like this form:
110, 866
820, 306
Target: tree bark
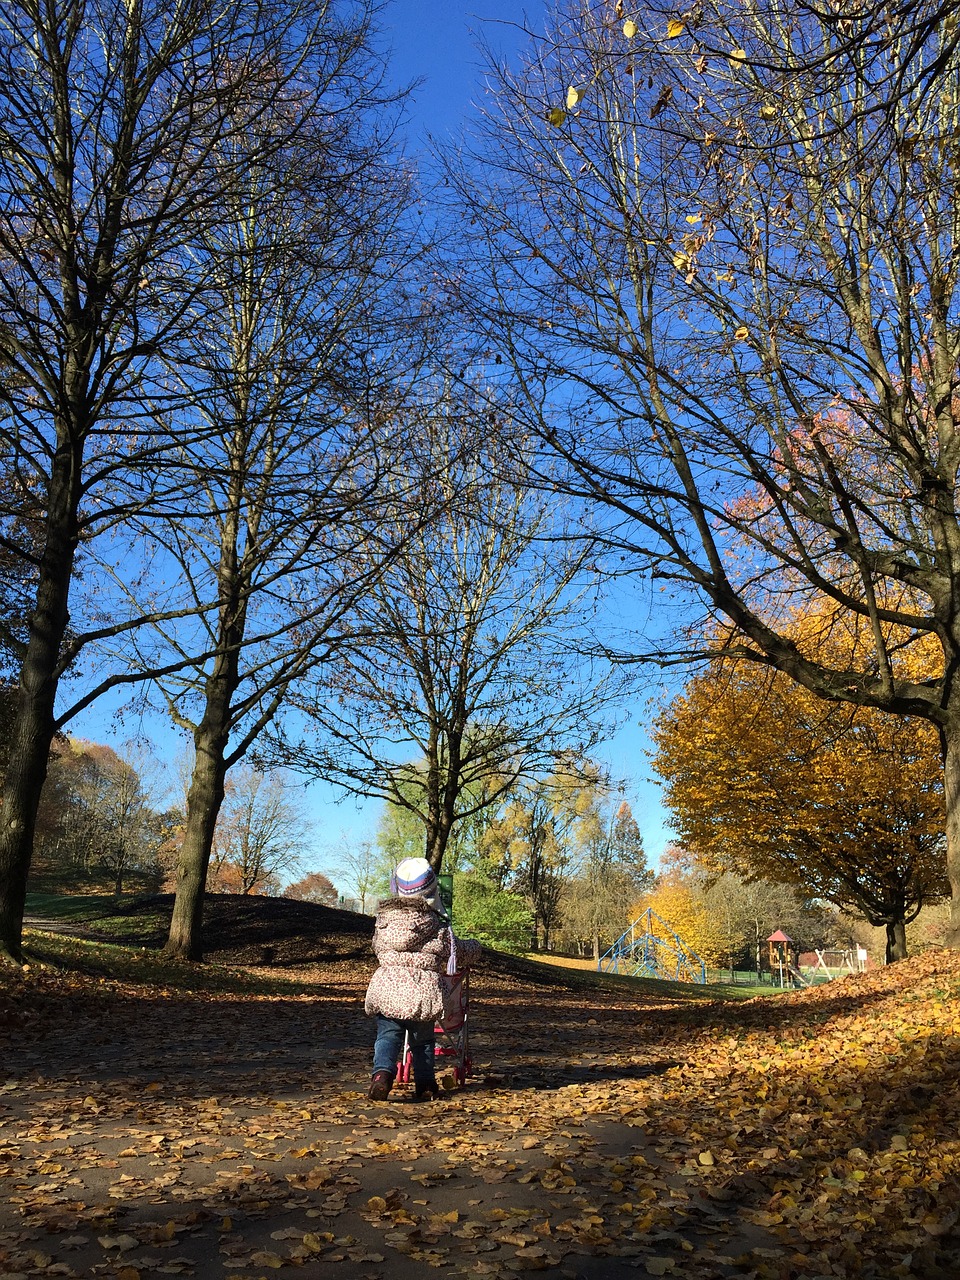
185, 940
207, 788
34, 724
896, 941
443, 785
950, 738
437, 839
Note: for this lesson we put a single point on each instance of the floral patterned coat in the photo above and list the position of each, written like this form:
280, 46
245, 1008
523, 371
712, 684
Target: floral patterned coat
412, 943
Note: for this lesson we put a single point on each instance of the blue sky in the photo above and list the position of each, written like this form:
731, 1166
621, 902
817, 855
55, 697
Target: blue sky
435, 41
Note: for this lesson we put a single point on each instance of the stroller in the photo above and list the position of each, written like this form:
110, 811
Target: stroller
452, 1052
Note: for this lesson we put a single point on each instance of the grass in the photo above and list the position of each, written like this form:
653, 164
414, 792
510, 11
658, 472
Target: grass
62, 953
587, 971
125, 963
102, 913
125, 949
75, 907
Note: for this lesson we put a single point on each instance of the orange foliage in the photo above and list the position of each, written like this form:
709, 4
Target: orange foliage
766, 779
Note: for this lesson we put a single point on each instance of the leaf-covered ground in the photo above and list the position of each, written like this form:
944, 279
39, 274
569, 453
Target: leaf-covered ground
162, 1122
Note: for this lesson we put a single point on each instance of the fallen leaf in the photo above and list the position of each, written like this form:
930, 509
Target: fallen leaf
121, 1242
264, 1258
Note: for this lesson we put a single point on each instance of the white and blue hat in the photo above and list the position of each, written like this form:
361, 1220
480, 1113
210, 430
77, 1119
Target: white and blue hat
415, 877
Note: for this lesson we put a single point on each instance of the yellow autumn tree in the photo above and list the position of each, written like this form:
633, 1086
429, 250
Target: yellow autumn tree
534, 841
677, 903
765, 779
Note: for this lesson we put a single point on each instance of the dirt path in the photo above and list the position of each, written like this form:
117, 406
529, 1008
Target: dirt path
146, 1131
143, 1137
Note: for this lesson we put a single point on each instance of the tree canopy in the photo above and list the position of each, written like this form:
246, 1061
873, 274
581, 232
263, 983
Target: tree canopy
718, 252
765, 779
467, 673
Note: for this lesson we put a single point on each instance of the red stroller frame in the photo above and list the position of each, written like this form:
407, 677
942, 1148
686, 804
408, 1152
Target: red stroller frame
452, 1034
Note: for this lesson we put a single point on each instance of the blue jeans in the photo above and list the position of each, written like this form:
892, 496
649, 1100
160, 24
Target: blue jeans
389, 1046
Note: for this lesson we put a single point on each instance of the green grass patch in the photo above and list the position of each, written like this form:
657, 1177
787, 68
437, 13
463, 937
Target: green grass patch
77, 907
586, 974
103, 914
121, 963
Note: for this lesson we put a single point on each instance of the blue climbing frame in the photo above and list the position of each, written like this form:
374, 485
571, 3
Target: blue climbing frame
651, 949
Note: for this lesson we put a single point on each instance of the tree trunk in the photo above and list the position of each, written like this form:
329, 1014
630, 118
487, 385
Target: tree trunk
185, 940
441, 808
896, 940
33, 726
437, 838
950, 739
207, 787
30, 748
210, 737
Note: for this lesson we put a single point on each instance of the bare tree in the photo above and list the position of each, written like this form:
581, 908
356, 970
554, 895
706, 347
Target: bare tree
364, 869
466, 660
109, 115
742, 342
261, 833
304, 263
98, 817
908, 43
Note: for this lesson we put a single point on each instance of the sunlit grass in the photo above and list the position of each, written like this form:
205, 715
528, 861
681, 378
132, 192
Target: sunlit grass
103, 914
655, 986
65, 954
69, 906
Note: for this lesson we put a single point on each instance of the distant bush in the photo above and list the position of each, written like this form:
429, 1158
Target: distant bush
495, 917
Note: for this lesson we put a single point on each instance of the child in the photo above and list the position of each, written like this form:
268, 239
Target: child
411, 941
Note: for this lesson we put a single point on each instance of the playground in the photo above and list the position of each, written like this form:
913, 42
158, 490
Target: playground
651, 948
166, 1120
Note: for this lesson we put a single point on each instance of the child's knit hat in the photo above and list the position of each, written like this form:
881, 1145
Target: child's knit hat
414, 877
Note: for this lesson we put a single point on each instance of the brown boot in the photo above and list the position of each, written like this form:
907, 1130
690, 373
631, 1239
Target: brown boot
380, 1086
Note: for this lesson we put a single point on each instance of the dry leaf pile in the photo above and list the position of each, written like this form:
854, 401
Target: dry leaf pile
148, 1131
